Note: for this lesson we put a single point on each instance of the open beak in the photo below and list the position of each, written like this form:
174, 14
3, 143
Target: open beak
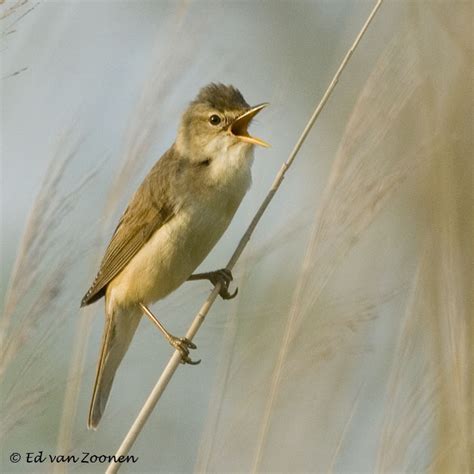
240, 125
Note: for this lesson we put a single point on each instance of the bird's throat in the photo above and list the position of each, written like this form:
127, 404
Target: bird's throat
231, 168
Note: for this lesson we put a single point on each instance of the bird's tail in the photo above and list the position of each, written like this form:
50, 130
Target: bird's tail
120, 326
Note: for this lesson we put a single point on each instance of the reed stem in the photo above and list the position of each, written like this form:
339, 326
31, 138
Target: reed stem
175, 359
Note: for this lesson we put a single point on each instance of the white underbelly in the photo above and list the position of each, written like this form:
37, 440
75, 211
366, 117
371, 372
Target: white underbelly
177, 248
170, 256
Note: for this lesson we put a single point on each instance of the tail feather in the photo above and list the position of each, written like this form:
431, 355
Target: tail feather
120, 326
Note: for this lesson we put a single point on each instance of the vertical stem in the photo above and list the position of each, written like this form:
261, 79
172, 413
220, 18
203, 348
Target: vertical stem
175, 360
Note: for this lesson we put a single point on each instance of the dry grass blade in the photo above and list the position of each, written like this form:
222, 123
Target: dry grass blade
364, 175
199, 319
16, 8
12, 8
450, 316
50, 208
216, 401
344, 431
166, 71
209, 437
18, 411
362, 179
405, 404
139, 141
436, 321
430, 390
32, 245
36, 288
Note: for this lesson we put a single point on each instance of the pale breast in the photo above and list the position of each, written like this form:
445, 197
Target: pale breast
177, 248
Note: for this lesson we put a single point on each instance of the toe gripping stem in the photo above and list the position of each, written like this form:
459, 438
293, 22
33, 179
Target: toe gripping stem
181, 344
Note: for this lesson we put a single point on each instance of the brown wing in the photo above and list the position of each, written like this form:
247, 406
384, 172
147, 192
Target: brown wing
149, 209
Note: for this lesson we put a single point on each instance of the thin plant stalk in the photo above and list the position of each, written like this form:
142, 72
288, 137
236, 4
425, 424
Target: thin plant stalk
175, 359
345, 429
139, 142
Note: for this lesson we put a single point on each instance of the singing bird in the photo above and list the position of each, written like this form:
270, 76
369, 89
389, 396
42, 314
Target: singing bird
172, 222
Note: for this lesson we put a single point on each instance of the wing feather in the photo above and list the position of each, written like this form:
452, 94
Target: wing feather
149, 209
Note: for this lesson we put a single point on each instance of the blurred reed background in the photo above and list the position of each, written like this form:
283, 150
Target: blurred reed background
349, 347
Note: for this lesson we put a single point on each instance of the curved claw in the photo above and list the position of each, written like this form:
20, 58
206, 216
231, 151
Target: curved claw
183, 344
187, 360
224, 293
224, 277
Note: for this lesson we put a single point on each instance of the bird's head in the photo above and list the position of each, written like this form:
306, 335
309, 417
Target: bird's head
216, 120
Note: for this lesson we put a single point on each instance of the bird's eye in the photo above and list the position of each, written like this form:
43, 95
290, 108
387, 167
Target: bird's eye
214, 119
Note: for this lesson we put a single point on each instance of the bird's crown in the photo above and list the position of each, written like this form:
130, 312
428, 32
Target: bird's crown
221, 97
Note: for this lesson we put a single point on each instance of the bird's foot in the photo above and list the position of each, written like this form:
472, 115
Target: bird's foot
224, 277
183, 344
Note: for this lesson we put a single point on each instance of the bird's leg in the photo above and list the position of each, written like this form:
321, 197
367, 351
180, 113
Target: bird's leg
223, 276
182, 344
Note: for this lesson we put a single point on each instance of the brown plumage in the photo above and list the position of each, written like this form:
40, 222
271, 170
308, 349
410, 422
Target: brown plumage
174, 219
149, 209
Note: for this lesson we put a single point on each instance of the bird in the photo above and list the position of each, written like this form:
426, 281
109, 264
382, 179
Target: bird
174, 219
